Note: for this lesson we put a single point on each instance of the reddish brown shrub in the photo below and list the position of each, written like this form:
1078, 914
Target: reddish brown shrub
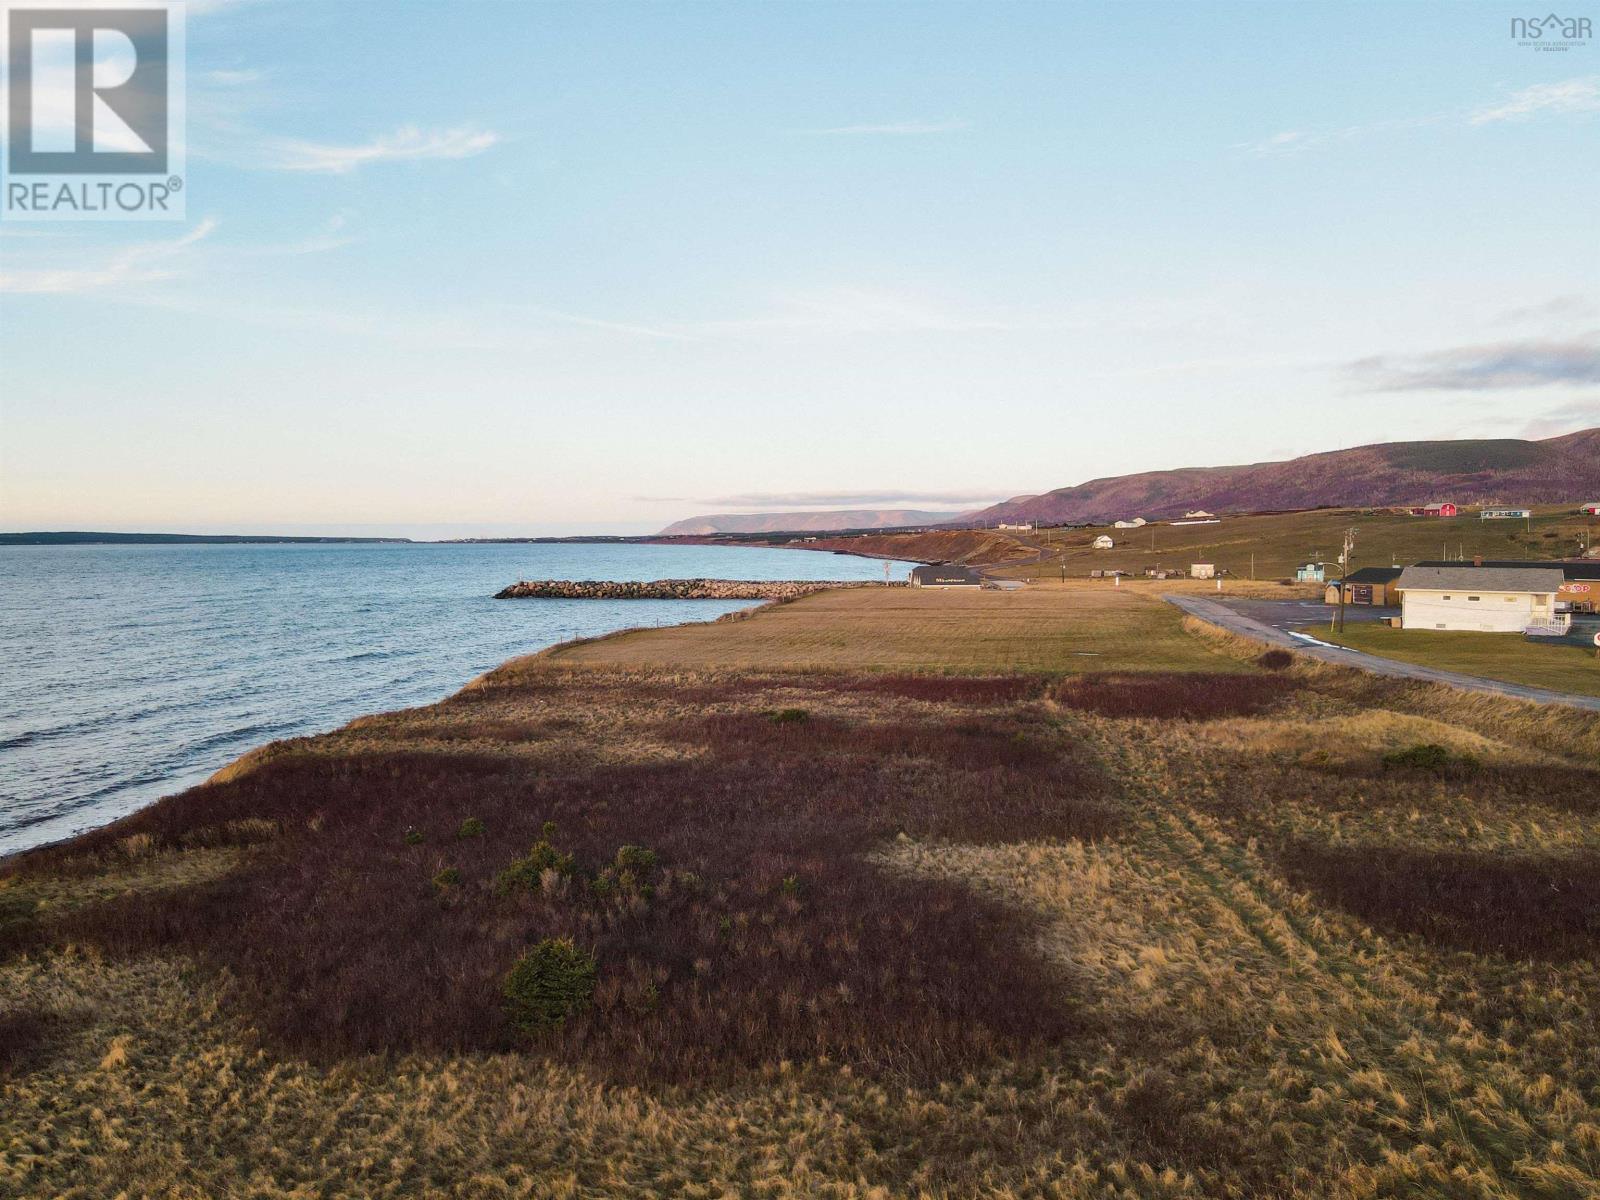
1174, 696
1518, 904
751, 931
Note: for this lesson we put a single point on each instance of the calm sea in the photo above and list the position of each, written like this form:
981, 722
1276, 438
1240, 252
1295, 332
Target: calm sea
130, 672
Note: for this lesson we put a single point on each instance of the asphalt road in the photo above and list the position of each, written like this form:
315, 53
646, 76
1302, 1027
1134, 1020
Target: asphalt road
1230, 616
1292, 614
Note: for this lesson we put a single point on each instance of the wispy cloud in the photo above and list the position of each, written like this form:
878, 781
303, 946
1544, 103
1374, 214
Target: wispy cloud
1568, 96
406, 144
1565, 418
892, 129
833, 499
144, 263
1493, 367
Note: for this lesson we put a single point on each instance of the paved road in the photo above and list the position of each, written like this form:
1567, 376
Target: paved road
1235, 621
1293, 614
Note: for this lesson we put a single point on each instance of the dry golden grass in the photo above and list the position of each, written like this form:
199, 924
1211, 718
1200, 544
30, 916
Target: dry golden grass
1245, 1020
1044, 627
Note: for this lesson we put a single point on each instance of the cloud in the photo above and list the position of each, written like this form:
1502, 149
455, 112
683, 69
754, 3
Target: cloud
1568, 96
892, 129
1581, 95
233, 78
406, 144
144, 263
1565, 418
1493, 367
833, 499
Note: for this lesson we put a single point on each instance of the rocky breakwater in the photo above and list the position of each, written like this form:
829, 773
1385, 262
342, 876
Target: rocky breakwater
672, 589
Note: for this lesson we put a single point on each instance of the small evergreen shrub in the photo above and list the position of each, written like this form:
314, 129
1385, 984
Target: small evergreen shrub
1276, 660
470, 828
636, 859
447, 879
527, 872
1430, 756
548, 984
788, 716
414, 837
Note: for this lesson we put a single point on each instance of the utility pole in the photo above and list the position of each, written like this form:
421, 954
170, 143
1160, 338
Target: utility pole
1252, 565
1344, 587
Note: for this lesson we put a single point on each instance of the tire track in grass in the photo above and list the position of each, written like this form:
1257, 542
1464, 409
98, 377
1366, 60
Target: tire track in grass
1388, 1022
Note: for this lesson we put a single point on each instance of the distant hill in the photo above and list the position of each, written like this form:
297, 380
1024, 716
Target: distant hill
1506, 470
76, 538
808, 522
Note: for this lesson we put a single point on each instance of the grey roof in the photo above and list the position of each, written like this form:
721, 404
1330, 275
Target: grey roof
1485, 579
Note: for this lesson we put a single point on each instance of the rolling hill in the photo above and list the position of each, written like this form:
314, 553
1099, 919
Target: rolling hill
808, 522
1503, 470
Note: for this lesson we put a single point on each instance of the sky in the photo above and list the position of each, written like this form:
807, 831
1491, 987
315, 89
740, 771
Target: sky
509, 268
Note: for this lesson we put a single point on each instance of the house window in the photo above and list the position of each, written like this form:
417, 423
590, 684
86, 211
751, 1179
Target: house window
1447, 597
1474, 597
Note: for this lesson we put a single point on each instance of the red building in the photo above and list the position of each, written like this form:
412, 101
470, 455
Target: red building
1435, 510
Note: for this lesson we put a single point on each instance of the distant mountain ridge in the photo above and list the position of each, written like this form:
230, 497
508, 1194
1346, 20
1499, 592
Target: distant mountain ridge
808, 522
1503, 470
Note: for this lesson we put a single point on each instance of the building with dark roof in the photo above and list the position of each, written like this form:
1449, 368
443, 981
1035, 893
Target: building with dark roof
945, 575
1369, 585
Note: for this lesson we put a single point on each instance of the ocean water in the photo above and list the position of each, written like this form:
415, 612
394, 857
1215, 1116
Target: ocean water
131, 672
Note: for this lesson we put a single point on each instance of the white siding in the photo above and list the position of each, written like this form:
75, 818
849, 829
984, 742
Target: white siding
1477, 611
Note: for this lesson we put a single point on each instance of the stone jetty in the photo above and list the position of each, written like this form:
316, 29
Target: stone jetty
674, 589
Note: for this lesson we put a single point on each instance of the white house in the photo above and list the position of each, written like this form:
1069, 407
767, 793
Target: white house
1198, 514
1103, 542
1019, 528
1481, 599
1133, 524
1505, 514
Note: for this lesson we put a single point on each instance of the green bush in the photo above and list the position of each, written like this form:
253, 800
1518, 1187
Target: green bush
413, 837
548, 984
526, 872
470, 828
636, 859
787, 716
447, 879
1430, 756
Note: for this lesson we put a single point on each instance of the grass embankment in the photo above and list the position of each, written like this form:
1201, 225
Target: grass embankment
979, 546
1048, 627
1281, 542
1503, 656
831, 932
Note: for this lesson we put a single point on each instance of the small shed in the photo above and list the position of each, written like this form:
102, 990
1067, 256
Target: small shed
1103, 542
1202, 570
1369, 585
945, 575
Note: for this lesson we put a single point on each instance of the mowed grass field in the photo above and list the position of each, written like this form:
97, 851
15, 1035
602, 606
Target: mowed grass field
1185, 923
1491, 655
1047, 627
1281, 542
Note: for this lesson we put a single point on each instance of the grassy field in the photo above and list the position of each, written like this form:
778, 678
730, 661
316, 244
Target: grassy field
1491, 655
1282, 542
1187, 923
1049, 627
